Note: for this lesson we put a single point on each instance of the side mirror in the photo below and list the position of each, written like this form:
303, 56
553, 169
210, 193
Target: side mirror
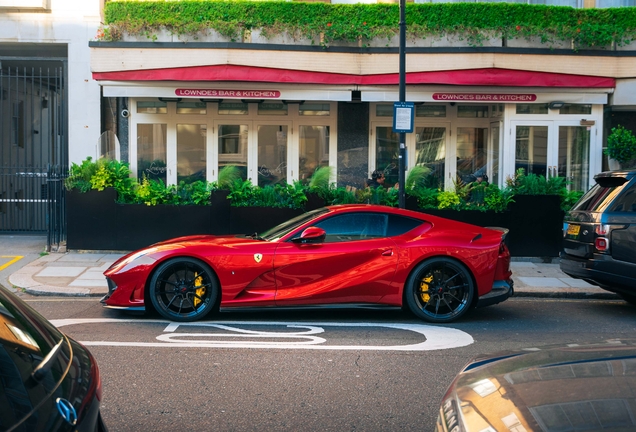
311, 235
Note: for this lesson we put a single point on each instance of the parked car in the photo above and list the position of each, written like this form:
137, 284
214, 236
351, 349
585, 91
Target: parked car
48, 381
556, 388
599, 235
333, 256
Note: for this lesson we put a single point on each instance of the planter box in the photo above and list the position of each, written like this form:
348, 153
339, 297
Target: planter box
535, 223
91, 219
248, 220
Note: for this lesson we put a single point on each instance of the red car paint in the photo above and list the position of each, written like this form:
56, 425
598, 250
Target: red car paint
280, 272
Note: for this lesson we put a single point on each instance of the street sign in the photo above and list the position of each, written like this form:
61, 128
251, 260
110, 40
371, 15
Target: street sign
403, 115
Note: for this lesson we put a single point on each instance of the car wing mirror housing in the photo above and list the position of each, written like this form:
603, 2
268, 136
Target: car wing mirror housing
311, 235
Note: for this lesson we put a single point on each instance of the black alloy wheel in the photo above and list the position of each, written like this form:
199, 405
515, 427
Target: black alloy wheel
440, 290
183, 289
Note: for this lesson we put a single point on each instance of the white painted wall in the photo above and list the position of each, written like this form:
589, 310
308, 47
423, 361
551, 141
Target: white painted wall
71, 22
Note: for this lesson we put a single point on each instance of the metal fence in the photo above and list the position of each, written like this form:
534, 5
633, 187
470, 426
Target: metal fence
33, 148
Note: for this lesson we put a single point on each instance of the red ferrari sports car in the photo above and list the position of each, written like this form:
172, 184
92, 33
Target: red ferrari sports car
340, 255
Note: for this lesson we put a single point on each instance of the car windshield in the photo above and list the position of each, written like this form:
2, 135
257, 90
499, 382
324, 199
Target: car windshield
601, 195
285, 228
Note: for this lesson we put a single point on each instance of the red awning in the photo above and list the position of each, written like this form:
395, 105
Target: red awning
469, 77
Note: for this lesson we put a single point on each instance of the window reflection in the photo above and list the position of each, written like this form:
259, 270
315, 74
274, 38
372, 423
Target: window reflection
151, 151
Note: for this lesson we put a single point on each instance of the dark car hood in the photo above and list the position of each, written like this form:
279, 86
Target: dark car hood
590, 386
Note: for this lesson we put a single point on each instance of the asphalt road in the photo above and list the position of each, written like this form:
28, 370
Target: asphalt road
237, 373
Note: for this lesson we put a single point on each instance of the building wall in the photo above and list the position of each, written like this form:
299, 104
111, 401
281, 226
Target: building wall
70, 22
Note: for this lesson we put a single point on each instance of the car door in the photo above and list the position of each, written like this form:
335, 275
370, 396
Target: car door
355, 263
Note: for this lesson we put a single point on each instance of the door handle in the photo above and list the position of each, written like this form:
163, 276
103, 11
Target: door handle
387, 252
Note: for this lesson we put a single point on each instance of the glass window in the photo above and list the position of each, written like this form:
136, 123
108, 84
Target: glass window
314, 150
531, 149
576, 109
191, 108
151, 151
233, 108
354, 226
602, 194
430, 110
191, 152
532, 108
152, 107
233, 147
272, 154
625, 202
384, 110
272, 108
430, 152
615, 3
314, 109
472, 111
497, 110
387, 152
471, 153
574, 156
399, 225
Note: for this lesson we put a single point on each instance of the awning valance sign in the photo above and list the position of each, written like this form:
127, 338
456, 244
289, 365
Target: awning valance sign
218, 93
485, 97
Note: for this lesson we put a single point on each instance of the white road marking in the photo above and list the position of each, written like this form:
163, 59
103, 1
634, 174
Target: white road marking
436, 338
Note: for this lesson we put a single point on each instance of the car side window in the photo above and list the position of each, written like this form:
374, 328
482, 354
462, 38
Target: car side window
625, 202
398, 225
354, 227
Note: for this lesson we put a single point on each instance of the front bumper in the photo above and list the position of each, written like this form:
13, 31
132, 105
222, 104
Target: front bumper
112, 286
501, 290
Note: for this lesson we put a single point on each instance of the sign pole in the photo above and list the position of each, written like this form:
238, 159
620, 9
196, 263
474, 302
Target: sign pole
402, 90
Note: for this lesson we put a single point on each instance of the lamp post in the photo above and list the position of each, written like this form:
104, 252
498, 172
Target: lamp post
402, 91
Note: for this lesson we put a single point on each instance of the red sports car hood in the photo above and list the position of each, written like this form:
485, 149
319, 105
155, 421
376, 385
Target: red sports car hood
205, 239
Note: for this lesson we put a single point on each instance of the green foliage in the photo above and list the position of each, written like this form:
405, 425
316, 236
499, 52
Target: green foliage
154, 192
532, 184
79, 176
426, 197
195, 193
341, 195
325, 22
319, 181
416, 178
227, 176
621, 144
244, 194
448, 200
569, 198
497, 199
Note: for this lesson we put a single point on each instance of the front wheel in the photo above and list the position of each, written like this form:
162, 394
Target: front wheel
440, 290
183, 289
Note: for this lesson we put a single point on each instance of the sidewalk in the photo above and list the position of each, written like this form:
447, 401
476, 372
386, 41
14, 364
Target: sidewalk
81, 274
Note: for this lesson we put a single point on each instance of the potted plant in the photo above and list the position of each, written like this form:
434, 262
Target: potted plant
621, 147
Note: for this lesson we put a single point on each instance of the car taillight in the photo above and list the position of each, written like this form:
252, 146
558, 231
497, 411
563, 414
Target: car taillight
601, 244
602, 236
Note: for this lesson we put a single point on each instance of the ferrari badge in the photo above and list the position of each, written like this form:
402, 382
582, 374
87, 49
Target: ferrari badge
258, 257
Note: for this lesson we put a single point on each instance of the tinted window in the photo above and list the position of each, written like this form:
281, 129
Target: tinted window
601, 195
278, 231
354, 226
625, 202
398, 225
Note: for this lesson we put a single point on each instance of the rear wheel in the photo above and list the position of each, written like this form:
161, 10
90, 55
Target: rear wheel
440, 290
183, 289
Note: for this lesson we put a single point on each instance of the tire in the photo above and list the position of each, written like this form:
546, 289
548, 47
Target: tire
183, 289
440, 290
629, 298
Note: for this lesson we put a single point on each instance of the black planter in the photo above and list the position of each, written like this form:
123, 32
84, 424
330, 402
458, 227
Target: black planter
140, 225
314, 201
220, 213
248, 220
535, 226
91, 219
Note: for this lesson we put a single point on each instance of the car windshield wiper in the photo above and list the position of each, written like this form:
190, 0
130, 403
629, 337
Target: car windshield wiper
45, 365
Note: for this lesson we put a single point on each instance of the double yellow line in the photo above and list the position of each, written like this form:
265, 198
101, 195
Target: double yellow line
15, 259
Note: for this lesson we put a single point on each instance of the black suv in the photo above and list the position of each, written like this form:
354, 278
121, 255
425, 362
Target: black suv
599, 235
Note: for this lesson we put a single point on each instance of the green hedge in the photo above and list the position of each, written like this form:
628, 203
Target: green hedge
345, 22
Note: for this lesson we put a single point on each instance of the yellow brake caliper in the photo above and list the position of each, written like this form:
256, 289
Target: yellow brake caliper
200, 292
424, 295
